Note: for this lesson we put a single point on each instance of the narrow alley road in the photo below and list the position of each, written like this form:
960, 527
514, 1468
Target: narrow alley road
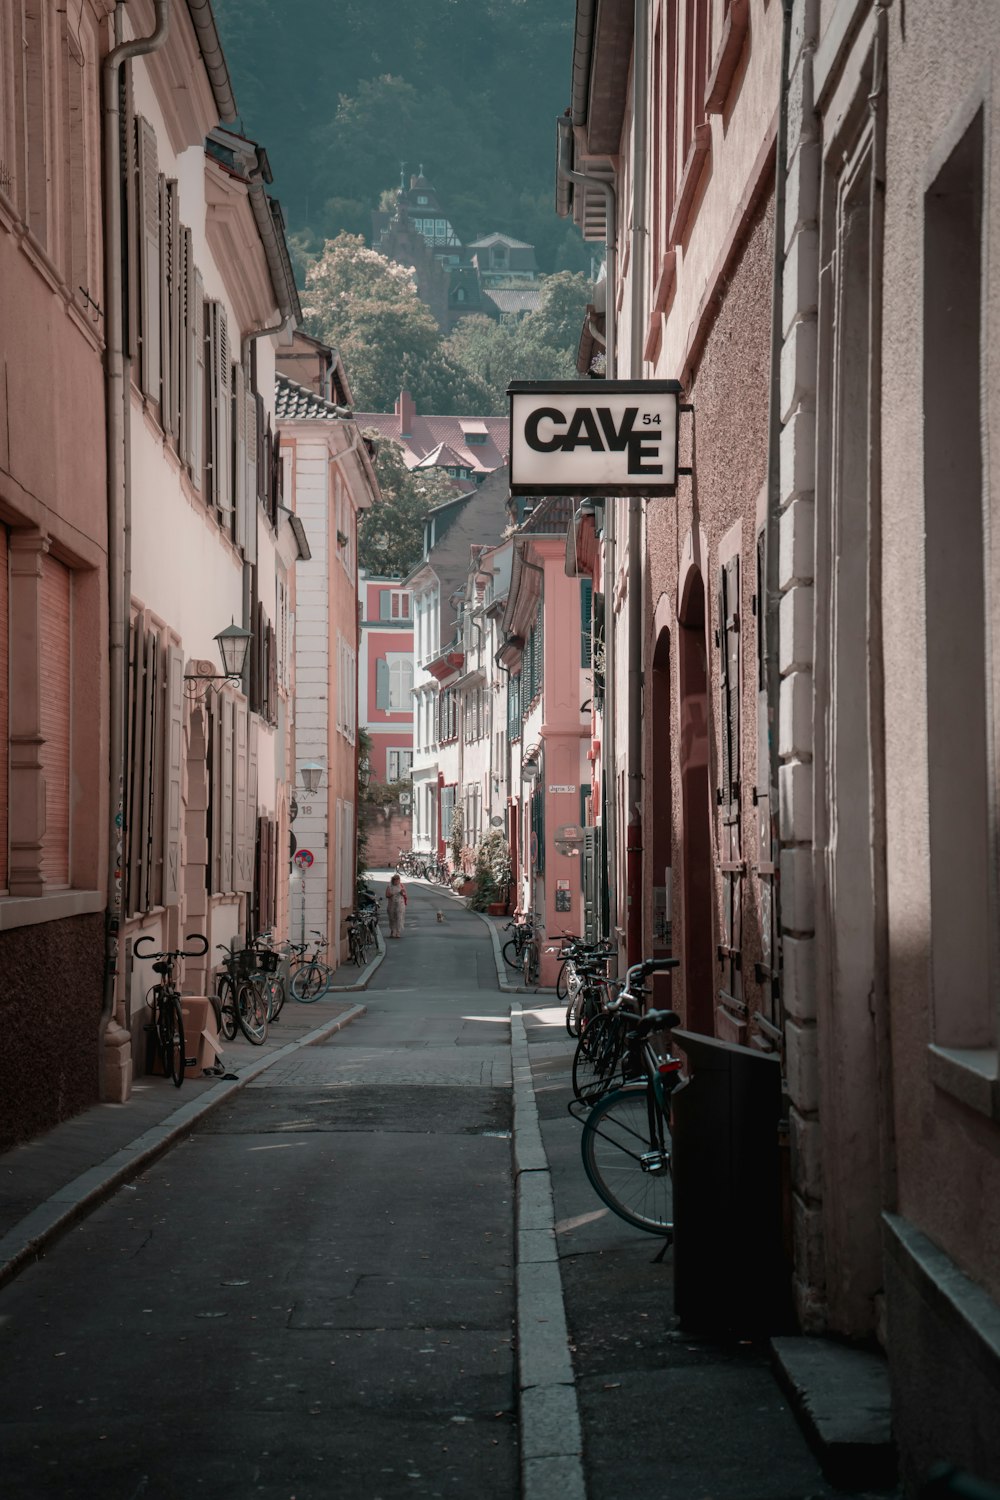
311, 1296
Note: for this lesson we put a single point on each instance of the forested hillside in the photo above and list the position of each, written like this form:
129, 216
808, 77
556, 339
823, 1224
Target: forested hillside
340, 92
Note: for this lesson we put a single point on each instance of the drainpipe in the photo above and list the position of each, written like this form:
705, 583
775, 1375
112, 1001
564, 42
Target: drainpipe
772, 673
609, 805
119, 497
637, 270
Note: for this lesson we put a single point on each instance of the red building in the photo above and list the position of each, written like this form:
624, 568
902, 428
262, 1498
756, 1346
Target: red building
385, 676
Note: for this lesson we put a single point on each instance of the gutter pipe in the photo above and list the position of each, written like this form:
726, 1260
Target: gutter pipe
119, 489
637, 271
565, 173
772, 671
214, 59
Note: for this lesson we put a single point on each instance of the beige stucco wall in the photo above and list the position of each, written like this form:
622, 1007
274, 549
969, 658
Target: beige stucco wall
948, 1154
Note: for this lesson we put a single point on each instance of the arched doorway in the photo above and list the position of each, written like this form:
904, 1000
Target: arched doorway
696, 848
661, 843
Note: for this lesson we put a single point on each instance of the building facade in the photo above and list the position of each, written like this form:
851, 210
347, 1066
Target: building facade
800, 230
331, 476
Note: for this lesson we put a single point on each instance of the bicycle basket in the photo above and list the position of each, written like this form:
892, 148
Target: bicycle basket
243, 963
266, 961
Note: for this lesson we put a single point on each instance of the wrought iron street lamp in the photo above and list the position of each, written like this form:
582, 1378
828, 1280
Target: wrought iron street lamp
311, 772
234, 643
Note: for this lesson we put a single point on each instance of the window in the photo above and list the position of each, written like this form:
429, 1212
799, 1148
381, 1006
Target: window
55, 703
962, 853
476, 439
399, 764
263, 663
514, 707
347, 689
394, 604
154, 721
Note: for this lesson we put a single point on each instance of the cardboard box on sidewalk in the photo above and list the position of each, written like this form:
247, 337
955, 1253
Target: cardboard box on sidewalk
202, 1047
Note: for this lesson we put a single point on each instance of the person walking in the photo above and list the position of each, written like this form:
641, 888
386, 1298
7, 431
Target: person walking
395, 902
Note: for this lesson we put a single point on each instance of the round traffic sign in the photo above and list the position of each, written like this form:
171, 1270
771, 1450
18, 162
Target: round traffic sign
304, 858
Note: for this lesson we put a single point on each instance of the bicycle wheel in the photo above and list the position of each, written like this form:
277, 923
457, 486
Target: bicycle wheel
561, 987
274, 996
529, 963
574, 1010
251, 1012
308, 983
626, 1150
226, 995
170, 1037
280, 994
597, 1062
512, 953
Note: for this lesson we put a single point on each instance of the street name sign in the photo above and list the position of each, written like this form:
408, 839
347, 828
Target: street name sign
593, 437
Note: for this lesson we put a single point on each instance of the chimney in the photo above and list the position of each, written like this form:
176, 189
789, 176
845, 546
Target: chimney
406, 411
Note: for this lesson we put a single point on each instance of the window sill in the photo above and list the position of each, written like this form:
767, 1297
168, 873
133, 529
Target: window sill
30, 911
969, 1074
734, 32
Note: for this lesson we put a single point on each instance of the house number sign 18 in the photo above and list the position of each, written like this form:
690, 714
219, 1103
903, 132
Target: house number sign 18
593, 437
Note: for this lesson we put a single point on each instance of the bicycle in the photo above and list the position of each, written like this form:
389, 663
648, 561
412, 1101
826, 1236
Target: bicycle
311, 977
530, 960
240, 998
164, 1000
626, 1144
524, 930
357, 940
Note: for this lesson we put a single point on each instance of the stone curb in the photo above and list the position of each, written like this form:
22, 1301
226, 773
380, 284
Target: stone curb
548, 1412
502, 980
366, 973
29, 1238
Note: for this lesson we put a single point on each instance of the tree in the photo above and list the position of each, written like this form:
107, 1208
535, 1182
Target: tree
391, 532
368, 308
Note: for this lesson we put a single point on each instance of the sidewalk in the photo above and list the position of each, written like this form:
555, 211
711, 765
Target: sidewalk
49, 1183
615, 1398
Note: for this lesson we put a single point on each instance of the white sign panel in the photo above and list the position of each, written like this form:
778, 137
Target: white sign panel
593, 437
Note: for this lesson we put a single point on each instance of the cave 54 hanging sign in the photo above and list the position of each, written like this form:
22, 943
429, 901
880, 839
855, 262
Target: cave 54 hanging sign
593, 437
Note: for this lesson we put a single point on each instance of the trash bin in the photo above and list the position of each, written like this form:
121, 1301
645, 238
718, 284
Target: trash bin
730, 1274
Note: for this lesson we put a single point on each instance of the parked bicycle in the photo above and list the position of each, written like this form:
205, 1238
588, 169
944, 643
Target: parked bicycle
626, 1144
523, 927
582, 964
164, 1000
311, 976
242, 1003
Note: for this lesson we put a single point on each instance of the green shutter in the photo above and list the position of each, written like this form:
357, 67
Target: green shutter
586, 609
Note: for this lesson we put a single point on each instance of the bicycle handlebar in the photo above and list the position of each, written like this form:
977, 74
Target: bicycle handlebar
195, 937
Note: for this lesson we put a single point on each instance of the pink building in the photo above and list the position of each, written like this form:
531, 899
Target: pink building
53, 567
385, 676
546, 652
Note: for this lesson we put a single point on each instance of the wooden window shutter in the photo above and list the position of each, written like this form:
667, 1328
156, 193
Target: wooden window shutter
385, 605
4, 704
173, 764
133, 770
184, 278
272, 675
251, 479
381, 682
55, 615
254, 726
240, 476
729, 684
196, 378
242, 814
148, 194
227, 795
219, 405
169, 304
145, 829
